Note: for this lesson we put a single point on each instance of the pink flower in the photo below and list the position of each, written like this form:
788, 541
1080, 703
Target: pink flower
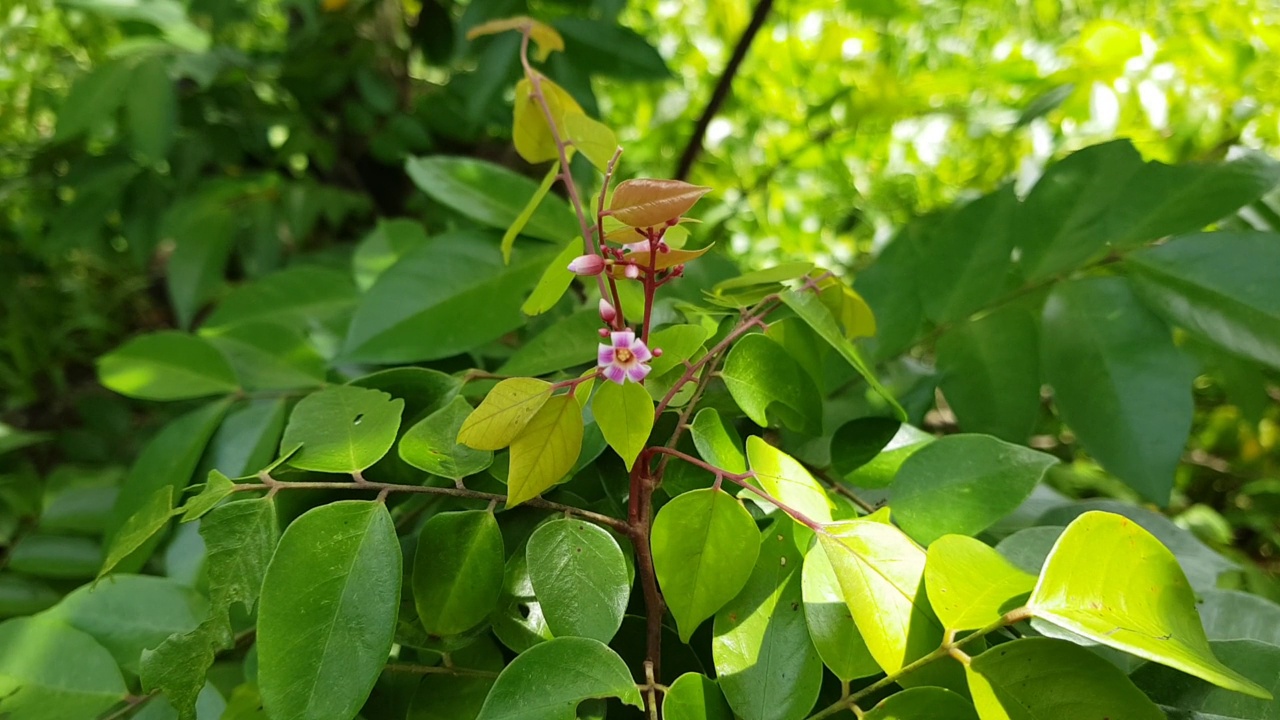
587, 265
624, 358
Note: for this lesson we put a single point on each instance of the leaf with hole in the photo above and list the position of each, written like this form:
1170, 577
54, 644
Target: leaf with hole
342, 429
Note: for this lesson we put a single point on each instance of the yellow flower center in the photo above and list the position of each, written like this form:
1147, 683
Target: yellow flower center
623, 355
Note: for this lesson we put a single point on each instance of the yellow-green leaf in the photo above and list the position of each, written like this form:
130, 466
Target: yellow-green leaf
555, 280
531, 133
783, 477
509, 237
970, 585
1113, 582
546, 451
506, 410
543, 36
594, 139
625, 416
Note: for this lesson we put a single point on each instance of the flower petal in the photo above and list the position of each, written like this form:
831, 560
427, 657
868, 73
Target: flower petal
638, 372
615, 373
605, 355
641, 351
622, 339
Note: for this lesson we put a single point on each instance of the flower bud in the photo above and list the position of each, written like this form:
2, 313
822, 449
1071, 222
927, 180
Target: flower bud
632, 271
607, 313
587, 265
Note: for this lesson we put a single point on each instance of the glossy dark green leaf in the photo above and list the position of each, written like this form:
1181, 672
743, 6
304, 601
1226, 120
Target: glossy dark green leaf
295, 297
56, 557
880, 470
695, 697
704, 549
765, 663
270, 356
457, 571
970, 585
963, 484
518, 621
831, 627
50, 671
423, 390
1040, 678
342, 429
167, 366
569, 342
611, 49
328, 611
965, 258
625, 416
1220, 286
1119, 381
991, 373
579, 577
432, 444
1114, 583
765, 381
446, 297
858, 442
934, 703
127, 614
1193, 699
491, 195
547, 682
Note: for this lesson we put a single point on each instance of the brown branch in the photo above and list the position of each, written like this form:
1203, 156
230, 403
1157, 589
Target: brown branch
721, 91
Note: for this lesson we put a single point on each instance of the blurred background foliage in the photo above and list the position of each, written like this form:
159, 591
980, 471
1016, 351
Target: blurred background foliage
156, 153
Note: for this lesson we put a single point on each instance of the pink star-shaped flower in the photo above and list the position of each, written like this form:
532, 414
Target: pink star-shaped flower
624, 357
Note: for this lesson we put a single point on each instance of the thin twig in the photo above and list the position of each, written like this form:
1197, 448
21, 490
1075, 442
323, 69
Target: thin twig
439, 670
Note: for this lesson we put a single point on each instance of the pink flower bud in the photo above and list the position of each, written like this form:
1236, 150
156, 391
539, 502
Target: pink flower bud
632, 271
607, 313
587, 265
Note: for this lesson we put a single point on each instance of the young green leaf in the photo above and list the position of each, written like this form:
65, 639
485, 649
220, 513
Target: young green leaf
765, 663
342, 429
970, 585
150, 519
831, 627
546, 450
625, 416
579, 576
432, 444
328, 611
882, 468
934, 703
704, 548
517, 225
555, 281
531, 134
764, 380
717, 442
457, 571
216, 489
51, 670
543, 35
1037, 678
695, 697
559, 674
595, 140
1114, 583
963, 484
504, 413
780, 475
678, 343
167, 366
881, 572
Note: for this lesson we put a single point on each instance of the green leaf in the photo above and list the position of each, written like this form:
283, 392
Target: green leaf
457, 571
1037, 678
342, 429
93, 99
296, 297
580, 578
446, 697
526, 213
881, 572
328, 611
780, 475
204, 228
56, 557
704, 548
445, 298
991, 373
424, 391
595, 140
1119, 381
678, 343
831, 627
611, 49
247, 440
569, 342
546, 450
970, 585
432, 444
1258, 661
1114, 583
167, 366
1233, 615
695, 697
810, 308
548, 681
717, 442
1219, 286
151, 109
127, 614
504, 413
51, 671
766, 381
934, 703
765, 663
860, 441
555, 281
518, 621
152, 517
383, 247
964, 258
20, 595
491, 195
963, 484
271, 356
625, 416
